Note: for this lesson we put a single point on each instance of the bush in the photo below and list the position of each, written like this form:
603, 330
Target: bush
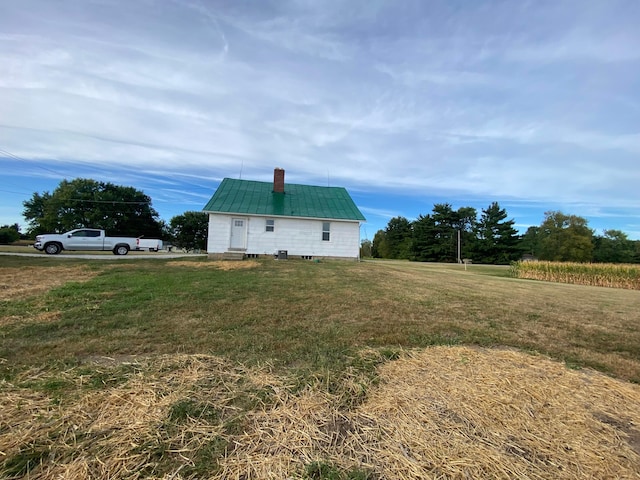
8, 235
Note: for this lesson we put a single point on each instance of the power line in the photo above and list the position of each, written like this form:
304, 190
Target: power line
17, 193
16, 157
107, 201
11, 155
173, 178
31, 163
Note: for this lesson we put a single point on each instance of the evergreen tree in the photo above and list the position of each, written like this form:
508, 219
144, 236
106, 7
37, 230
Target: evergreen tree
496, 238
423, 244
446, 233
435, 236
398, 236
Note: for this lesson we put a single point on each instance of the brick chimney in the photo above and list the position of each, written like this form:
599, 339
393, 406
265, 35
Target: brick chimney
278, 180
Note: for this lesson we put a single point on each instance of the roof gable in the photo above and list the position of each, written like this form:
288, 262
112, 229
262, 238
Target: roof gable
258, 198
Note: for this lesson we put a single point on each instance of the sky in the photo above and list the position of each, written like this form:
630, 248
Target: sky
406, 103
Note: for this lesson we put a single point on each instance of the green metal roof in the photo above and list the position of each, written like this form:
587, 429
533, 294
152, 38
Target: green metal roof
258, 198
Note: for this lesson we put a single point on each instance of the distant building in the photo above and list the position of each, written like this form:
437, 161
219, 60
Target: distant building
250, 218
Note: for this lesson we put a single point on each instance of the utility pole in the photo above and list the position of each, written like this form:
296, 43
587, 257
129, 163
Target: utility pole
459, 259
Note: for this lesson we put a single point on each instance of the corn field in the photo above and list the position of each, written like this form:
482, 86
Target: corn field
594, 274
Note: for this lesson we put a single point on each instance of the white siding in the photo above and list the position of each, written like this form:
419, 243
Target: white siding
299, 236
219, 235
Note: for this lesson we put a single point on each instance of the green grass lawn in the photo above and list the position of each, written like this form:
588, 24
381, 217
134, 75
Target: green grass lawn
312, 316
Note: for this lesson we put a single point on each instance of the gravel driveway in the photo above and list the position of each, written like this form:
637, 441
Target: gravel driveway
130, 256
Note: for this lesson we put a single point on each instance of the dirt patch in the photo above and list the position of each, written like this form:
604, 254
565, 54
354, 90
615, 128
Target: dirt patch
626, 426
220, 265
24, 282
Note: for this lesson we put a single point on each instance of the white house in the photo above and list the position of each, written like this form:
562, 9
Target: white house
250, 218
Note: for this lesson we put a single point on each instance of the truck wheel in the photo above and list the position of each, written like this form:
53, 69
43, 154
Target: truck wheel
121, 250
52, 248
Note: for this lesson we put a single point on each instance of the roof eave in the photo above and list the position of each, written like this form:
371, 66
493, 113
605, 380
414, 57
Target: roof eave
298, 217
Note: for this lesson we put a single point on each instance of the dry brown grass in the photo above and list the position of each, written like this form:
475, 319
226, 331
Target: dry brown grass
21, 282
443, 412
579, 323
24, 282
456, 412
119, 431
220, 265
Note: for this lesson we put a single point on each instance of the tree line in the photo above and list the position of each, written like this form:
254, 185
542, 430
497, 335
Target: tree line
448, 235
119, 210
444, 235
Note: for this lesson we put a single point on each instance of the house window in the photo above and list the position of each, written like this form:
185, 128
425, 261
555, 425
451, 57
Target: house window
326, 231
239, 223
271, 225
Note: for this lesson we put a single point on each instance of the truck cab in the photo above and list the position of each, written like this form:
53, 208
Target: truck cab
85, 239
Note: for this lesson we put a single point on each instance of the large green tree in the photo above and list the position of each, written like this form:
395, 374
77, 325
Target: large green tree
496, 238
566, 238
613, 247
88, 203
365, 248
529, 241
189, 230
379, 247
636, 251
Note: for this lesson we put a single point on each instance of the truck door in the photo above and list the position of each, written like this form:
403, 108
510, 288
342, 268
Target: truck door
95, 240
84, 240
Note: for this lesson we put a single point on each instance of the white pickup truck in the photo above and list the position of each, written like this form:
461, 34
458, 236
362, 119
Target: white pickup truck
85, 239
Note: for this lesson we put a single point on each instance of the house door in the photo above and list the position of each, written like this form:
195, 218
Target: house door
238, 233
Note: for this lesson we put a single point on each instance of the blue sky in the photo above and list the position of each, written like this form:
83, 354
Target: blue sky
406, 103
